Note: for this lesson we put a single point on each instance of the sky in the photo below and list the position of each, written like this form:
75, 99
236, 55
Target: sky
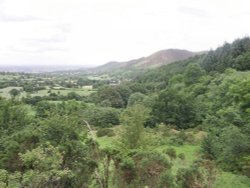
93, 32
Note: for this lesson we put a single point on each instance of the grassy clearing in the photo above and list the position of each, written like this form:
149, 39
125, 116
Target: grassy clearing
229, 180
97, 77
8, 77
83, 92
191, 152
5, 92
105, 141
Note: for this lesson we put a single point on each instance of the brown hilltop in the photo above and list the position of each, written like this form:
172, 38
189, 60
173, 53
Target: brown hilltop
156, 59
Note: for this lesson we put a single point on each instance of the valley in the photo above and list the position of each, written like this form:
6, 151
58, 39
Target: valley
174, 119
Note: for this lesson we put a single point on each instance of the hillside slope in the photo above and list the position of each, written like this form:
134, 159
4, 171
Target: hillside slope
157, 59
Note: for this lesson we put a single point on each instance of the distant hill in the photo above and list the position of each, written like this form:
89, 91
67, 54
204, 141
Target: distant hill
157, 59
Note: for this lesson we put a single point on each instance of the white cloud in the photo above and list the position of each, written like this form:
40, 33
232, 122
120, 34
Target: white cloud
97, 31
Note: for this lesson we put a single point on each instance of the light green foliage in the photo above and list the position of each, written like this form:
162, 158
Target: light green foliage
40, 158
230, 180
45, 164
102, 116
136, 98
133, 119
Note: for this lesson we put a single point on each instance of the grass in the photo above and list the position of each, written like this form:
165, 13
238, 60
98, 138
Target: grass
105, 141
229, 180
5, 92
83, 92
99, 77
191, 153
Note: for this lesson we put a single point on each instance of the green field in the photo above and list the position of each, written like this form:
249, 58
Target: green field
5, 92
84, 91
64, 92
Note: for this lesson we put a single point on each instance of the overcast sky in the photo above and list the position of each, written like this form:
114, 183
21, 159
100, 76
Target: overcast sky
93, 32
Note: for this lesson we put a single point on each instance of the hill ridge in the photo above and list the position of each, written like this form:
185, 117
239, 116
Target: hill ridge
156, 59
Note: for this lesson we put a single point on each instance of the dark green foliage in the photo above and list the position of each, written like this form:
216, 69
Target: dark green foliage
110, 93
141, 169
182, 156
47, 152
102, 116
105, 132
171, 153
167, 180
193, 74
32, 100
189, 178
124, 92
235, 55
242, 62
73, 95
43, 108
201, 174
173, 107
14, 92
116, 96
228, 146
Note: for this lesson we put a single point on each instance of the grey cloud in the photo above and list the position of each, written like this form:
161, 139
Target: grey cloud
193, 11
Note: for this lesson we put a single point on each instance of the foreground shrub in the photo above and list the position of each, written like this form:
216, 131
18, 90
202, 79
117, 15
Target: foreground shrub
105, 132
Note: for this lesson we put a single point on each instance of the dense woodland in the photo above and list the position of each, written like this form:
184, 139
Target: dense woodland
182, 125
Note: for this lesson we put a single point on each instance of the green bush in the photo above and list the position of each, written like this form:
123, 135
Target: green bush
171, 153
181, 156
105, 132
